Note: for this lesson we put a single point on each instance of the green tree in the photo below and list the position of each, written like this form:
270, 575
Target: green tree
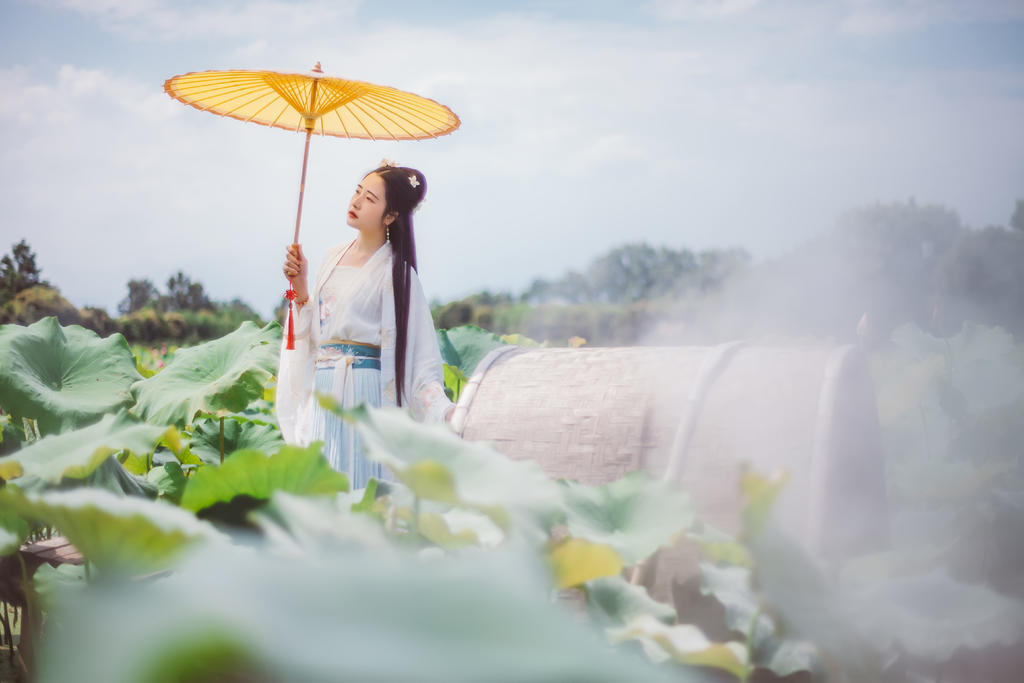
18, 271
1017, 219
141, 293
184, 295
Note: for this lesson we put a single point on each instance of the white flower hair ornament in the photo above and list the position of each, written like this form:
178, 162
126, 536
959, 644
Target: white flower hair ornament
414, 181
387, 163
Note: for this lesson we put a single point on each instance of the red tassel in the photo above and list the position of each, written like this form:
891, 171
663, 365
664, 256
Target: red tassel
290, 295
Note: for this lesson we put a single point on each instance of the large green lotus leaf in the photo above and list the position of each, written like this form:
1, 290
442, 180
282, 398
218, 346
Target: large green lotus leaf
466, 345
335, 616
634, 515
931, 616
221, 376
238, 435
117, 533
77, 454
253, 474
613, 600
63, 377
438, 465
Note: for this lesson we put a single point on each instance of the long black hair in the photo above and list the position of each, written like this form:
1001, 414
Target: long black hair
404, 189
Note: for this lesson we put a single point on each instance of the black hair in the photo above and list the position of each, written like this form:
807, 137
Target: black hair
404, 189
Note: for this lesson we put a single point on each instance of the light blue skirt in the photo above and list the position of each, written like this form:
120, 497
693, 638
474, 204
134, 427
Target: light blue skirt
343, 446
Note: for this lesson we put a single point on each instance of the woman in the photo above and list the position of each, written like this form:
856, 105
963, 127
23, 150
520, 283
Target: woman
363, 333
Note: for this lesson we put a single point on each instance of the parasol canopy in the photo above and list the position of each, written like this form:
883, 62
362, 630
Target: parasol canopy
313, 103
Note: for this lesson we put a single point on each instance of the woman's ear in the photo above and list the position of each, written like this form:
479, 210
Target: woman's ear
389, 218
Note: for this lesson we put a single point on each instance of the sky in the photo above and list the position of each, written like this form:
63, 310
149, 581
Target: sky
585, 125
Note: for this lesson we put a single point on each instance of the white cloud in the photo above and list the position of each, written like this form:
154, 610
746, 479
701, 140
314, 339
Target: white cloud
872, 17
576, 137
678, 10
169, 20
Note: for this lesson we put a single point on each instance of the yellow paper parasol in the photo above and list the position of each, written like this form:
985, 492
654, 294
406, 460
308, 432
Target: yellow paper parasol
313, 103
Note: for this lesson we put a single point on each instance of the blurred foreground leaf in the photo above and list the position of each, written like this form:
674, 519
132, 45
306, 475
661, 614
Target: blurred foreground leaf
575, 561
613, 600
684, 643
113, 532
931, 615
634, 515
437, 465
344, 616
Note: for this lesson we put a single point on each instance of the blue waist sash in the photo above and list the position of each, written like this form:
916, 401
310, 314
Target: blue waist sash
358, 356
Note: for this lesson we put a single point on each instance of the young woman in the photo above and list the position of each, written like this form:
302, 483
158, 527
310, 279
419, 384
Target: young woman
363, 333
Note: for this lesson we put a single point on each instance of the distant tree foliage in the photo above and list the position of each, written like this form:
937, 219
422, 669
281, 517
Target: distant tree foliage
640, 272
18, 271
1017, 219
141, 293
184, 295
184, 314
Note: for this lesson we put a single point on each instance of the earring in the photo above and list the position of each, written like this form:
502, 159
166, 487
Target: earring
387, 233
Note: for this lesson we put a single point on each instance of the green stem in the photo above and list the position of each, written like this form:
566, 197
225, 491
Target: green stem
222, 441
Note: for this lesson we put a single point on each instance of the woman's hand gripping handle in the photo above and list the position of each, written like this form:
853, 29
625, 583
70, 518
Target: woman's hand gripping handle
296, 269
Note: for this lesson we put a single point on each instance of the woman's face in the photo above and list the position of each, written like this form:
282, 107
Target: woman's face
366, 208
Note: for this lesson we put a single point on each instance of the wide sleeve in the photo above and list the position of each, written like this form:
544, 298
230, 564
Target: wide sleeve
424, 370
293, 399
295, 377
424, 374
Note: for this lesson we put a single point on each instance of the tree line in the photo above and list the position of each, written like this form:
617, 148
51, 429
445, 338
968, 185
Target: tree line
182, 313
878, 267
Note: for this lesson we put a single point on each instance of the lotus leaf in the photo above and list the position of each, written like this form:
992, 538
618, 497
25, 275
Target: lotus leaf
634, 515
114, 532
684, 643
575, 561
77, 454
355, 616
239, 434
481, 476
13, 530
169, 480
932, 615
221, 376
63, 377
454, 382
254, 474
465, 346
807, 606
613, 600
731, 587
319, 525
434, 528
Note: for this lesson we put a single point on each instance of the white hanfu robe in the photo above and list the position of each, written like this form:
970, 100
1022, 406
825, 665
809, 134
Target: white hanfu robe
356, 304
